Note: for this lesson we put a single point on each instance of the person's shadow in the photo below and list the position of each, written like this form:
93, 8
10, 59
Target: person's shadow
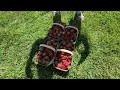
81, 39
48, 72
43, 72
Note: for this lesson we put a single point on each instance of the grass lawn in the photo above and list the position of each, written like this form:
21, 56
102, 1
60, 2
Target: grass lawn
97, 54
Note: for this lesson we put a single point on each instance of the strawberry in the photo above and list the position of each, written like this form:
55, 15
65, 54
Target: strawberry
61, 47
72, 48
39, 53
69, 60
40, 61
47, 49
63, 37
72, 30
59, 65
69, 57
63, 60
50, 55
59, 53
63, 53
68, 45
63, 57
57, 37
63, 67
56, 28
39, 57
51, 45
68, 33
65, 63
54, 31
46, 57
54, 34
63, 33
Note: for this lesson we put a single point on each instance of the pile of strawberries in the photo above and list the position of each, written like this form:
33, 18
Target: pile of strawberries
70, 34
67, 45
62, 60
44, 56
55, 32
52, 42
62, 40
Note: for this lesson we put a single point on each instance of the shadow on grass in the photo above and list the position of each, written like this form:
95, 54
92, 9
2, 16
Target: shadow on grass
34, 50
48, 72
43, 72
81, 39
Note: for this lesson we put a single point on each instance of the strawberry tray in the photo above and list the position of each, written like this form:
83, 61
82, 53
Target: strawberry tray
58, 47
63, 60
45, 55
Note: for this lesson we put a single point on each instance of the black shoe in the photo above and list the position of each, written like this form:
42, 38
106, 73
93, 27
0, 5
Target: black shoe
80, 15
56, 12
57, 17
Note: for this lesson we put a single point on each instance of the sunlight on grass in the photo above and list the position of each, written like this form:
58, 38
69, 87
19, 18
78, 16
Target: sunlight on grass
96, 56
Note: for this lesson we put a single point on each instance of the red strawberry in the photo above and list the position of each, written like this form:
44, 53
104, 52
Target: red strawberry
63, 60
57, 37
46, 58
63, 67
69, 60
61, 47
63, 37
63, 57
39, 57
54, 31
56, 28
69, 63
39, 53
47, 49
68, 33
40, 61
69, 57
72, 30
65, 63
72, 48
54, 34
59, 65
68, 45
51, 45
63, 33
50, 55
63, 53
56, 58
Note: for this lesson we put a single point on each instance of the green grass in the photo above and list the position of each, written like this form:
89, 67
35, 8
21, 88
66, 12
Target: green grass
97, 54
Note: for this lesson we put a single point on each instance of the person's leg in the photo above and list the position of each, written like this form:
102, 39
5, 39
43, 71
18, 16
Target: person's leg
76, 21
80, 15
57, 17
